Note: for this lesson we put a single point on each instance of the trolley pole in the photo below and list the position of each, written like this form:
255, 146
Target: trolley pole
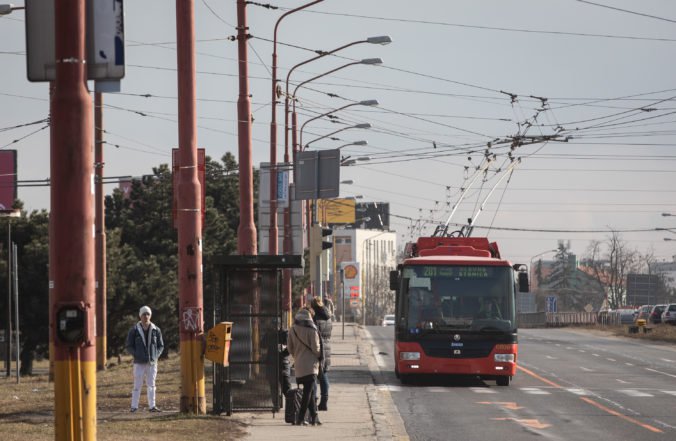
71, 238
189, 218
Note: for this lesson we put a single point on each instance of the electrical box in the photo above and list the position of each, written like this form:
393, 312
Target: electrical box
73, 326
218, 343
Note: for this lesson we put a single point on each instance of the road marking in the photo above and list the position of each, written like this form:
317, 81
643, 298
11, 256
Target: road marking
670, 392
629, 364
581, 350
592, 402
482, 390
534, 391
532, 424
390, 387
551, 358
619, 415
667, 360
596, 355
660, 372
586, 369
436, 389
504, 404
580, 392
634, 393
621, 381
611, 359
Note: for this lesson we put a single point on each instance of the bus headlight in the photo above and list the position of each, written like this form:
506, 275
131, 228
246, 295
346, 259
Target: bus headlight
504, 358
409, 355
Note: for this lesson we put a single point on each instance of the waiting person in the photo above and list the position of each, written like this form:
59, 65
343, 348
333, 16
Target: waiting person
304, 345
145, 344
322, 319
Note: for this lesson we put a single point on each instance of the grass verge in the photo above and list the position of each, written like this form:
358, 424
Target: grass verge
27, 408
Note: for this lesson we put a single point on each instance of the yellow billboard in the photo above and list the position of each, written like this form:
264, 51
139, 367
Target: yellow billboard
336, 211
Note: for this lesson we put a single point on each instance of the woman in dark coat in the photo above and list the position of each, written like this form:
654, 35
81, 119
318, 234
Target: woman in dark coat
323, 318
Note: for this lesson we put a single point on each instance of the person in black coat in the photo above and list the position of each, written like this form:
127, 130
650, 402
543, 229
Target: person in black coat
323, 318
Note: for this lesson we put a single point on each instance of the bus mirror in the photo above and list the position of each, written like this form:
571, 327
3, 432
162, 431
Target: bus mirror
523, 281
394, 280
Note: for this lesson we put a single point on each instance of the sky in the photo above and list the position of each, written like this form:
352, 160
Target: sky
590, 84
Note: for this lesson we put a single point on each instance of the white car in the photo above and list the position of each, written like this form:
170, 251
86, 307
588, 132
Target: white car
388, 320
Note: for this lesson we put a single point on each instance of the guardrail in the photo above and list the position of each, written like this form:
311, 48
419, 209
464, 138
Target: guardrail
553, 319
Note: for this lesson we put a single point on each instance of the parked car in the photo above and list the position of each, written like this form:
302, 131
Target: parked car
627, 316
669, 314
388, 320
656, 314
644, 312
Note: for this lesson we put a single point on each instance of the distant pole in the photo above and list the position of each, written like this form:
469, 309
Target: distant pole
342, 297
15, 256
246, 232
101, 310
190, 304
71, 227
8, 328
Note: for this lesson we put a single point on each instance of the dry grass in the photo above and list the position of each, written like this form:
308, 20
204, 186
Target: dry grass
658, 333
26, 409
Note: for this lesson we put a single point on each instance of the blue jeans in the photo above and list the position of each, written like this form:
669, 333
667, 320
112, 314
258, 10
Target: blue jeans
323, 384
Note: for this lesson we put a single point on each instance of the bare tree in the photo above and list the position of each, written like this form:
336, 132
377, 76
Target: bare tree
610, 262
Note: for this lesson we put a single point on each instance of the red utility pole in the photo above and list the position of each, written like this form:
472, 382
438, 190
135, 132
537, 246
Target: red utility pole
246, 232
101, 311
189, 219
71, 235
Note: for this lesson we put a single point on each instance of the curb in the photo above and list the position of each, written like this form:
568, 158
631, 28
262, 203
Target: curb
387, 422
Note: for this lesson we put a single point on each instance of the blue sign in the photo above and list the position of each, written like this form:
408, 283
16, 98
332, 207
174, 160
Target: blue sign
551, 304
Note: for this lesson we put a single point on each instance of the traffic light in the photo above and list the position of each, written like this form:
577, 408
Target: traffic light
317, 242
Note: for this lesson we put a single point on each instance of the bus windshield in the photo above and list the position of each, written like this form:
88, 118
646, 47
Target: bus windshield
444, 297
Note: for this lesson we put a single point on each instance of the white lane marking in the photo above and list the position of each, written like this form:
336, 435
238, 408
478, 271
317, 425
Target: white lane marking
482, 390
551, 358
596, 355
581, 350
660, 372
629, 364
580, 392
635, 393
667, 360
622, 381
390, 387
436, 389
611, 359
558, 344
569, 348
670, 392
586, 369
535, 391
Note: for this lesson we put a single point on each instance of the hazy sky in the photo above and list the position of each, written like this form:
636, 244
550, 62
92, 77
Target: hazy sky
458, 75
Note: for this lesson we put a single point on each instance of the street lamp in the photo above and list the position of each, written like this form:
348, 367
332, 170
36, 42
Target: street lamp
669, 239
356, 126
272, 236
8, 8
360, 143
346, 162
668, 214
383, 40
370, 103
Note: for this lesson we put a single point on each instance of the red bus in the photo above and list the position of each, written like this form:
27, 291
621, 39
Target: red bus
455, 309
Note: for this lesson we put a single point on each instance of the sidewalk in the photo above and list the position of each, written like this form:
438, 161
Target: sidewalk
358, 409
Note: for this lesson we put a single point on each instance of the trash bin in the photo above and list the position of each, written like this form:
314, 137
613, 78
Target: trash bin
218, 343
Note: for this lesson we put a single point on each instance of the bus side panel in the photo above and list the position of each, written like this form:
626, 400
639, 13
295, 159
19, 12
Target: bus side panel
459, 366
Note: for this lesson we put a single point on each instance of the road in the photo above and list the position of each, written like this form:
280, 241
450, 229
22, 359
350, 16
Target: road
570, 385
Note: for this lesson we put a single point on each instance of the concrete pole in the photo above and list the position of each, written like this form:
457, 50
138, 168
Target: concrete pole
8, 328
190, 301
246, 232
101, 281
17, 343
71, 235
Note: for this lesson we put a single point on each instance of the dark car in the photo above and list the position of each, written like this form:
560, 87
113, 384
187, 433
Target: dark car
656, 314
669, 314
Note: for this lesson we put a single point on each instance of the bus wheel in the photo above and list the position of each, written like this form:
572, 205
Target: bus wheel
503, 381
405, 378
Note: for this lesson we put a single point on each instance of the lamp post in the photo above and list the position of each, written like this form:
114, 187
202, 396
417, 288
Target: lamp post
8, 8
356, 126
272, 240
360, 143
538, 255
669, 239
